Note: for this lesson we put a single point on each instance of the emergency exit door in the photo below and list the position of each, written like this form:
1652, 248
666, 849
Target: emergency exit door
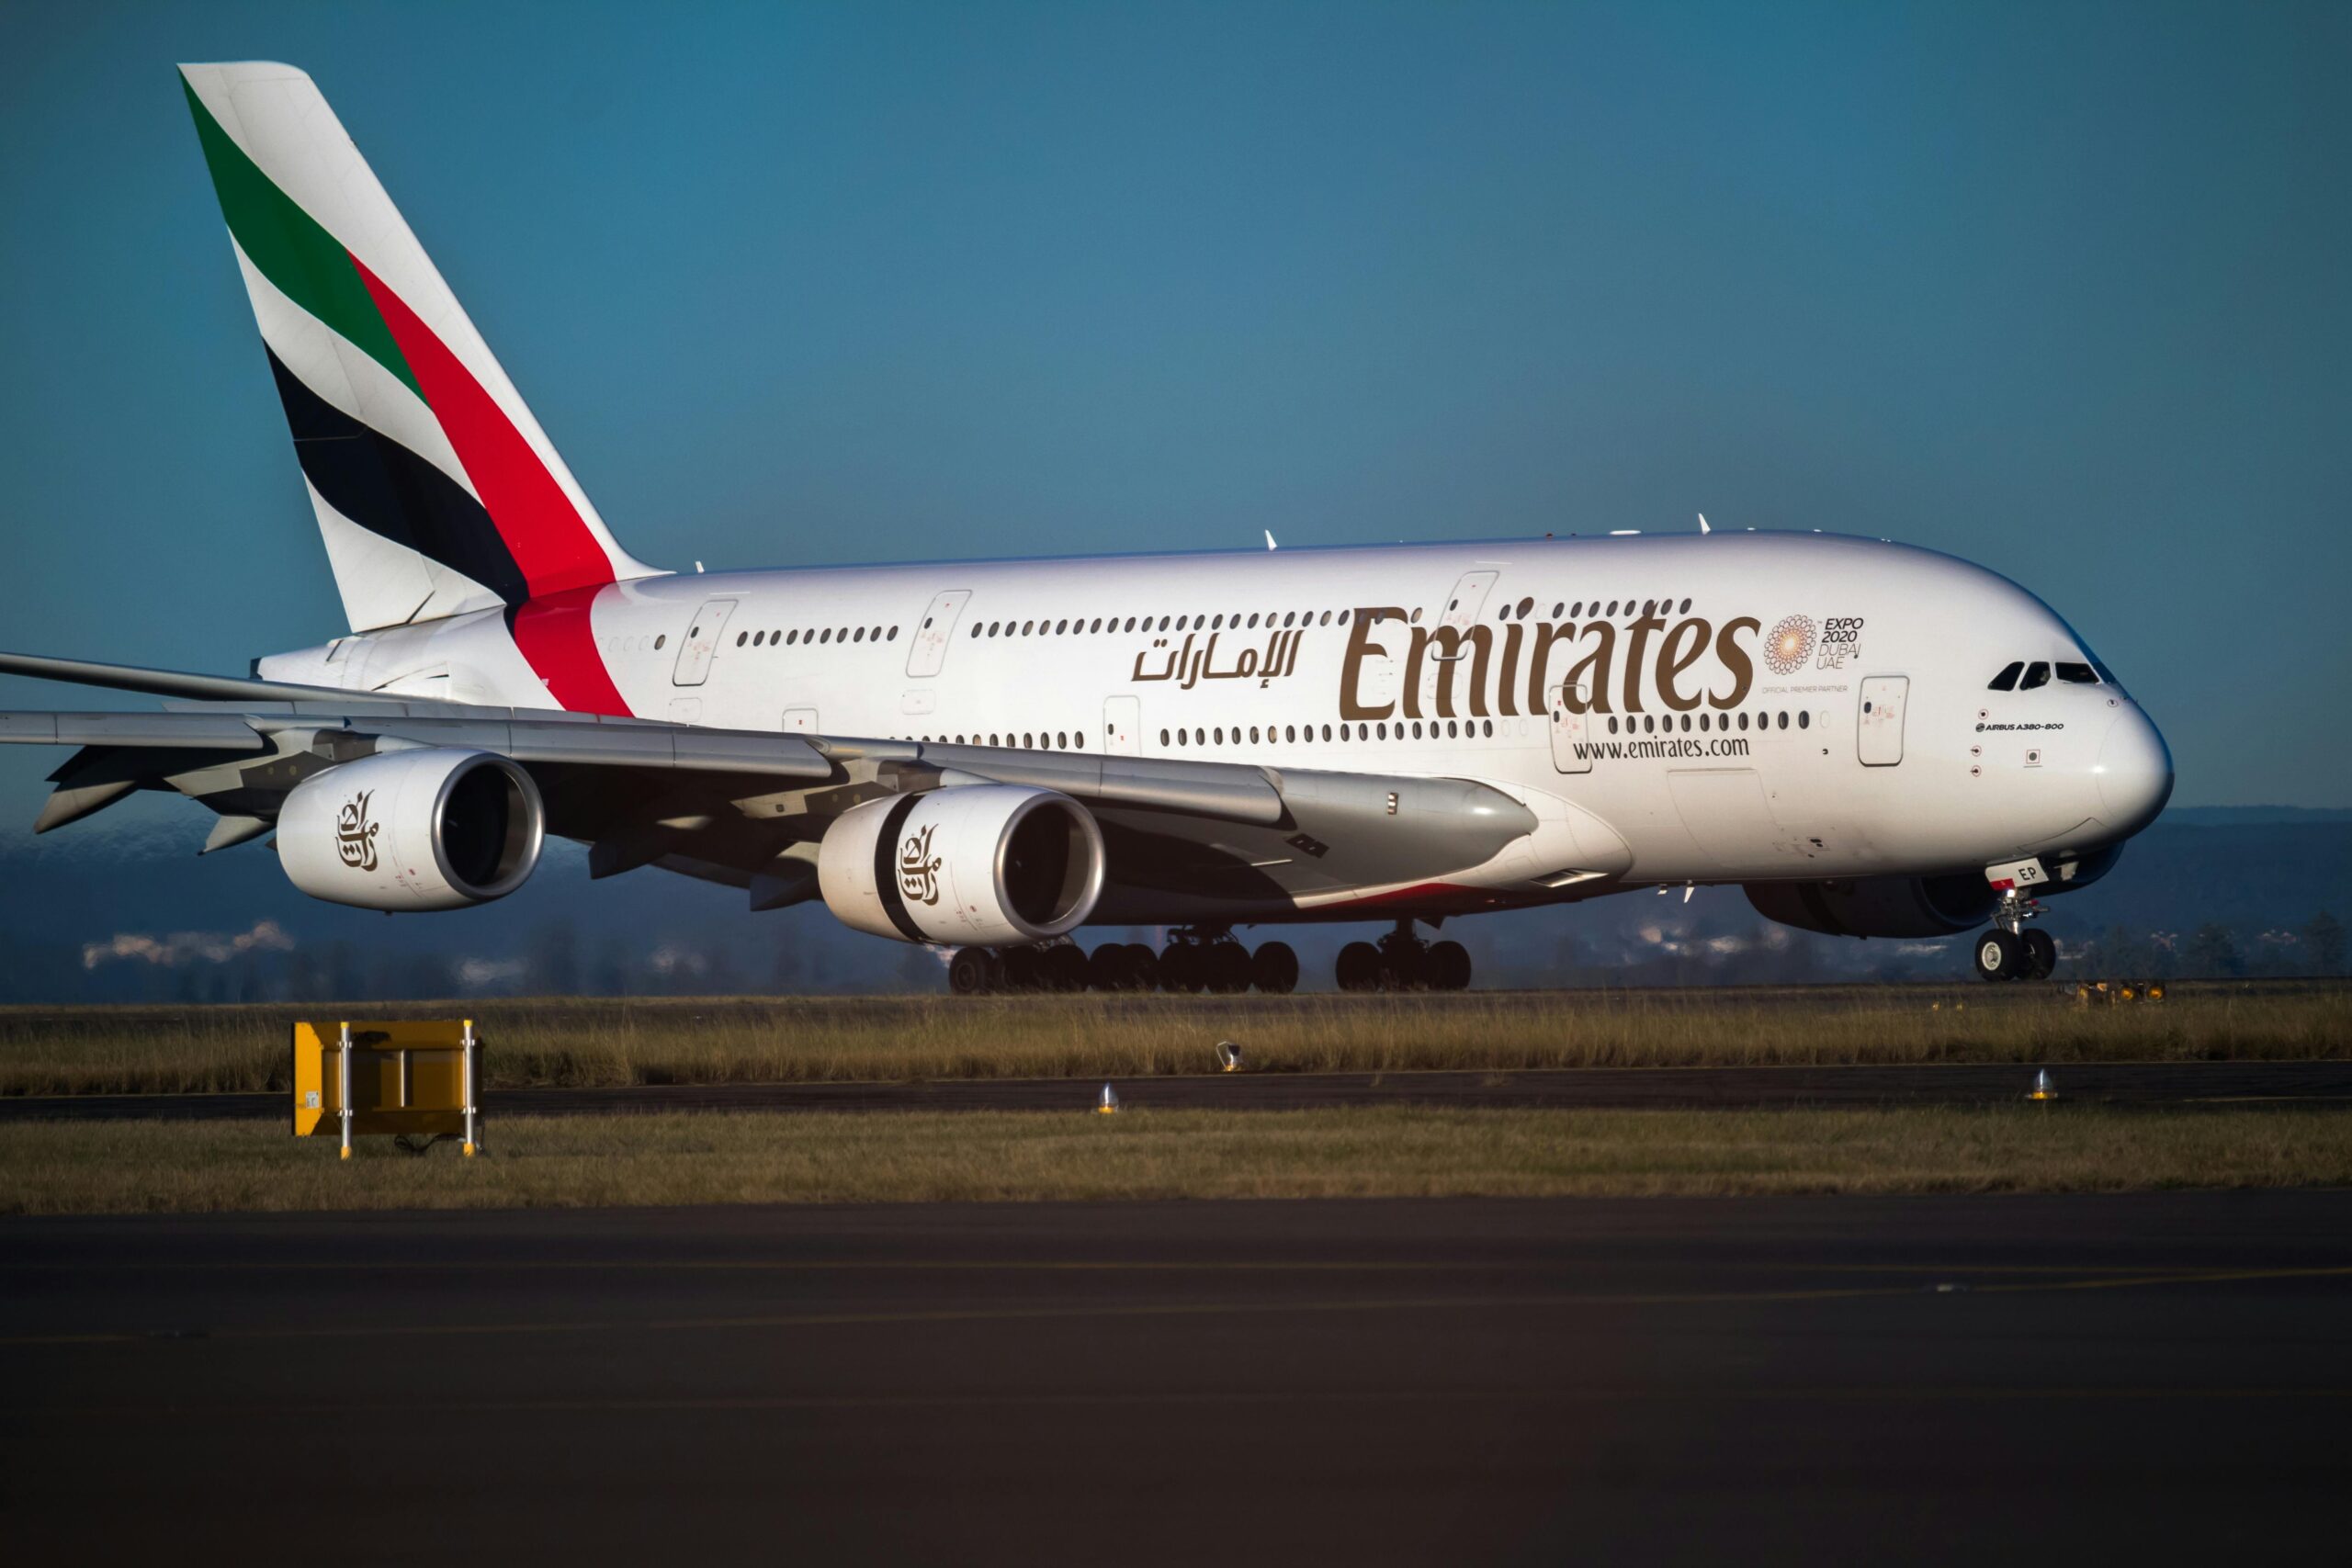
1877, 728
701, 643
1123, 726
930, 650
1462, 611
1571, 727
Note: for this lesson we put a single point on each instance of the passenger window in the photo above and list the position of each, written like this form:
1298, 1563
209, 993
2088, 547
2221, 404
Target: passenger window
2006, 681
2077, 675
2036, 674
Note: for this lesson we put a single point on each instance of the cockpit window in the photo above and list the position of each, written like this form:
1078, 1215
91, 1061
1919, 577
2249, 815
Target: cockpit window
2036, 674
2006, 681
2106, 676
2077, 675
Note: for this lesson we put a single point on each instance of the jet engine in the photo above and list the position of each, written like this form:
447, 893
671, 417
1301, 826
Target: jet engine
1877, 905
435, 827
974, 865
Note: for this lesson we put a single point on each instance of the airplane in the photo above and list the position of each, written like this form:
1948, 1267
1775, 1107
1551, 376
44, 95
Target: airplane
986, 757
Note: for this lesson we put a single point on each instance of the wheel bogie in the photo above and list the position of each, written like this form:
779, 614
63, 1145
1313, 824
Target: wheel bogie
2040, 952
1999, 955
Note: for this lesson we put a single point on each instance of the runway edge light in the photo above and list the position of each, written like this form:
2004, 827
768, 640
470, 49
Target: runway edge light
1109, 1103
1228, 1056
2044, 1088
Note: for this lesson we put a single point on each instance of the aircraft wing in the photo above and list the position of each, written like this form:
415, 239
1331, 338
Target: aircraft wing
741, 808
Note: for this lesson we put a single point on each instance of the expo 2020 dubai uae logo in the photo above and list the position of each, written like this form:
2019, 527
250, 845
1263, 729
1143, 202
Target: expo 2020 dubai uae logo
1789, 645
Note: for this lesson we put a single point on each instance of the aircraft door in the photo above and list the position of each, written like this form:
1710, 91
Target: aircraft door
1571, 728
1878, 731
1123, 726
701, 642
929, 654
1462, 608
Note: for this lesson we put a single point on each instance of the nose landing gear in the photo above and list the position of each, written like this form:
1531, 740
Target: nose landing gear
2012, 951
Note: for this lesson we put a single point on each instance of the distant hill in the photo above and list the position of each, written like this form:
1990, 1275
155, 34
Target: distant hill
122, 909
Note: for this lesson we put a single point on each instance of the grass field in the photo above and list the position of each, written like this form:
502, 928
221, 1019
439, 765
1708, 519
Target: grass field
97, 1168
719, 1040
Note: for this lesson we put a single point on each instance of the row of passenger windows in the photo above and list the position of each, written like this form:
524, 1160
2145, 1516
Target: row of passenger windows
1460, 729
785, 640
2023, 677
1651, 724
1279, 620
1577, 611
1270, 618
1032, 740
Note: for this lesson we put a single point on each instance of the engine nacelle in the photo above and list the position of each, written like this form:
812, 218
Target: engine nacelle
1878, 906
432, 828
977, 865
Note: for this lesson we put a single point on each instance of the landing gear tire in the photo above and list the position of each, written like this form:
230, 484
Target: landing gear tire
1273, 969
1112, 968
971, 972
1143, 965
1999, 955
1359, 966
2041, 953
1064, 967
1448, 966
1228, 968
1024, 969
1183, 968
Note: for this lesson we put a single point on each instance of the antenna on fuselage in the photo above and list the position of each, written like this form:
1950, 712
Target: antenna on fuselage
1270, 539
1702, 524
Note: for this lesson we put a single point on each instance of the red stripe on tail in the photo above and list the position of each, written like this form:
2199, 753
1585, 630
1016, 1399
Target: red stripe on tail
557, 638
543, 530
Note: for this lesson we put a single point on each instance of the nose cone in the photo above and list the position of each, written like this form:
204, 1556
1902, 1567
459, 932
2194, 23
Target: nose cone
2134, 772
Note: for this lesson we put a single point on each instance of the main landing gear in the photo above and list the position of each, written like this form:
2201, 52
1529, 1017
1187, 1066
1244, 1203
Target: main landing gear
1402, 962
2012, 951
1199, 959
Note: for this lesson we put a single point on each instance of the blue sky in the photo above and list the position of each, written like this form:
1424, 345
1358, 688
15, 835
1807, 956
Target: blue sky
2059, 288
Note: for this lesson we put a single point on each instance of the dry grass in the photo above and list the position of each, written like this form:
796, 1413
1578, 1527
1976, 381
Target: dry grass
85, 1167
127, 1050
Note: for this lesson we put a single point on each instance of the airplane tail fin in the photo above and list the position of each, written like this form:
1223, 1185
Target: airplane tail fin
436, 492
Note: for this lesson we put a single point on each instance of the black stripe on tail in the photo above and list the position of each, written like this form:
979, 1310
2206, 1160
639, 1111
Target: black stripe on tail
391, 491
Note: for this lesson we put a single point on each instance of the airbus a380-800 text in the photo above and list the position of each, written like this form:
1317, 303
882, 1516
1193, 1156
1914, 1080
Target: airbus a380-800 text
987, 756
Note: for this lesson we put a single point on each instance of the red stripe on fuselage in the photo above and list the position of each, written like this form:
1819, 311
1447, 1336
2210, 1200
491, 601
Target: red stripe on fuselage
558, 636
543, 531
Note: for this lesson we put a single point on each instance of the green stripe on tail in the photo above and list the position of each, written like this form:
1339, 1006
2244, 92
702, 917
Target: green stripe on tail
306, 263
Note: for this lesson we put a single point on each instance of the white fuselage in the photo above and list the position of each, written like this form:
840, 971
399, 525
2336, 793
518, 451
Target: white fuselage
1732, 707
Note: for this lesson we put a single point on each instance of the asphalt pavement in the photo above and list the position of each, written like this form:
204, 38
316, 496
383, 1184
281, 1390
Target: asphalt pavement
1967, 1379
2113, 1083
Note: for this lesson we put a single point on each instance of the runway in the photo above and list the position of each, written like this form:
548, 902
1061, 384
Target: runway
2124, 1083
1963, 1380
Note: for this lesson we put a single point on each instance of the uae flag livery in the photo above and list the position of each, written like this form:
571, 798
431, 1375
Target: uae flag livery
435, 490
